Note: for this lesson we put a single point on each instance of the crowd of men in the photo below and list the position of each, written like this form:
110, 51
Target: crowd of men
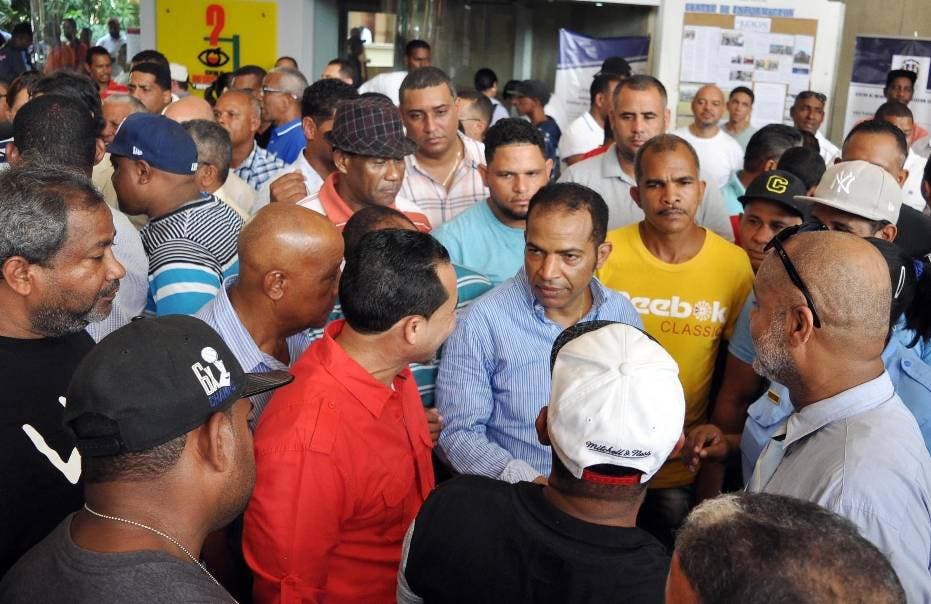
309, 342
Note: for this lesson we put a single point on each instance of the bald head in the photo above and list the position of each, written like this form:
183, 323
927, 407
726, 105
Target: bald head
289, 261
849, 284
189, 108
708, 106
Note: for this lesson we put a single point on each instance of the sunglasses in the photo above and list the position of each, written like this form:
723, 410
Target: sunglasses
776, 243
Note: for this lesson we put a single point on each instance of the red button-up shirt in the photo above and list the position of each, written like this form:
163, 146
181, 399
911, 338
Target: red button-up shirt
343, 464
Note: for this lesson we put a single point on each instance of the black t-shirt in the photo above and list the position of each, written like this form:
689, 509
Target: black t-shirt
482, 540
39, 465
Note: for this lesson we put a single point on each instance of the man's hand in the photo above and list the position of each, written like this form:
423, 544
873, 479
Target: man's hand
704, 442
434, 423
541, 480
289, 188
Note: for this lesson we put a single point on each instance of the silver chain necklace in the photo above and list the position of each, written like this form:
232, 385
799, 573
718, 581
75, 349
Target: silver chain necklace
160, 534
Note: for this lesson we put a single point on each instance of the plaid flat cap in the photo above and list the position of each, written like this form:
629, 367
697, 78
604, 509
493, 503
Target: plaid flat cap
370, 126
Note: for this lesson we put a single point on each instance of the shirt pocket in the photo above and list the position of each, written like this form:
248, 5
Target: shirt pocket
397, 481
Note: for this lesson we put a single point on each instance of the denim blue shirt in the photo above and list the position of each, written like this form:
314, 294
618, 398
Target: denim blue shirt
860, 454
495, 377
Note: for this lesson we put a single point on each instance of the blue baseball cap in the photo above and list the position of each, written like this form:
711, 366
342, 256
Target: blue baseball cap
161, 142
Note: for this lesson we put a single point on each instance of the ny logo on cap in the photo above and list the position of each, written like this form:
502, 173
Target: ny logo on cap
842, 181
205, 375
777, 184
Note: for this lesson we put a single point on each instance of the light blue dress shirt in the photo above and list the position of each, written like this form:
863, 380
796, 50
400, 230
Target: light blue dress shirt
910, 377
495, 377
476, 239
730, 192
860, 455
221, 316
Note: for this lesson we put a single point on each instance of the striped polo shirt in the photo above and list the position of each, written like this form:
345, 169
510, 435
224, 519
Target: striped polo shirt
191, 250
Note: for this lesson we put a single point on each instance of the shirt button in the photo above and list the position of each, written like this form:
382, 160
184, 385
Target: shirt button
907, 363
331, 405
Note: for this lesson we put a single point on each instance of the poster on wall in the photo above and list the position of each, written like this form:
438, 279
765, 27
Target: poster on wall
749, 54
213, 37
873, 58
580, 58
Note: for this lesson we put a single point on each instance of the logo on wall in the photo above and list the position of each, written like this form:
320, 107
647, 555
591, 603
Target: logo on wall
215, 57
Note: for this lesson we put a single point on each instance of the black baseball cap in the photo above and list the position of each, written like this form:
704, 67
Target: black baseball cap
534, 89
615, 66
901, 73
779, 187
154, 380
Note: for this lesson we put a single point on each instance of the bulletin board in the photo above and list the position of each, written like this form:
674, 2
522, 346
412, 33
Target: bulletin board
771, 55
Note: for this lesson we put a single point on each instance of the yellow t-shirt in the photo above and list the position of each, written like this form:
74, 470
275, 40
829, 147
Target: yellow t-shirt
690, 308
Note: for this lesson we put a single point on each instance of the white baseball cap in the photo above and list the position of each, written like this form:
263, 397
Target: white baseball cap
616, 399
178, 72
859, 188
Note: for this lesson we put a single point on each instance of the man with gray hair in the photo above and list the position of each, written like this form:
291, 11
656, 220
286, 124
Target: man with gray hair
745, 547
59, 275
819, 326
240, 113
282, 90
214, 153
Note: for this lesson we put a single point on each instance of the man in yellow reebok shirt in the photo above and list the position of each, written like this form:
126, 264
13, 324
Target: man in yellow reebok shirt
688, 284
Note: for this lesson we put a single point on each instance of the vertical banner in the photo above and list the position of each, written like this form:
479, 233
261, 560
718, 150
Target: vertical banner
580, 58
210, 37
872, 60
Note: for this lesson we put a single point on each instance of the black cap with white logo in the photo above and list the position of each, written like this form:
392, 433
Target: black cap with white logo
154, 380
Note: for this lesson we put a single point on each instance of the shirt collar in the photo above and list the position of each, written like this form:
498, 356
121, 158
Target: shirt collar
591, 123
287, 127
249, 354
471, 155
372, 394
599, 295
848, 403
250, 159
611, 167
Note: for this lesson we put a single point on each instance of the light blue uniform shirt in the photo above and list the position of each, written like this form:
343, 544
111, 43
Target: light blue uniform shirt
860, 455
910, 377
495, 377
476, 239
730, 192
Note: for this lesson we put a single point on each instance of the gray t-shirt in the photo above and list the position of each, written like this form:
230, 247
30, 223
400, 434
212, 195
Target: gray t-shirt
56, 570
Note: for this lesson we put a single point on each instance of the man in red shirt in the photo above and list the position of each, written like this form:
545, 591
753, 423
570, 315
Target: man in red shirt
100, 68
343, 454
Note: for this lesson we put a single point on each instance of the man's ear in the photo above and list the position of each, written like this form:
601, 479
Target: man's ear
144, 172
17, 274
215, 441
341, 161
273, 284
540, 424
100, 150
309, 127
635, 195
12, 154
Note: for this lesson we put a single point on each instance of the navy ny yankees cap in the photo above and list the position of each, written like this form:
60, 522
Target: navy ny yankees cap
154, 380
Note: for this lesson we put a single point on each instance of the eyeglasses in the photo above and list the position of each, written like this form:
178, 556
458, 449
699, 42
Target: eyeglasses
776, 243
267, 90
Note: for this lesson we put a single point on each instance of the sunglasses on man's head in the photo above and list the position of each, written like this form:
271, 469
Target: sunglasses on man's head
776, 243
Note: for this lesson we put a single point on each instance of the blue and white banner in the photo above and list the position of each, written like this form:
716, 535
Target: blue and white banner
872, 60
580, 58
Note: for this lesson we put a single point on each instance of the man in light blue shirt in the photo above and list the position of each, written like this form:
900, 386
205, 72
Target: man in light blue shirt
762, 153
494, 375
489, 237
851, 445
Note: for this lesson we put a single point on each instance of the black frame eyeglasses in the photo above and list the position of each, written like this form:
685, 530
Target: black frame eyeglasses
776, 244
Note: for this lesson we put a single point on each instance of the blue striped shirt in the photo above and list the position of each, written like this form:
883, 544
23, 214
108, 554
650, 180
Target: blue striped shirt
495, 377
191, 250
221, 315
258, 167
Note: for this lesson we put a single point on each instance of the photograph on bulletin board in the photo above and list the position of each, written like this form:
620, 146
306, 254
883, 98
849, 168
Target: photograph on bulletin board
210, 38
